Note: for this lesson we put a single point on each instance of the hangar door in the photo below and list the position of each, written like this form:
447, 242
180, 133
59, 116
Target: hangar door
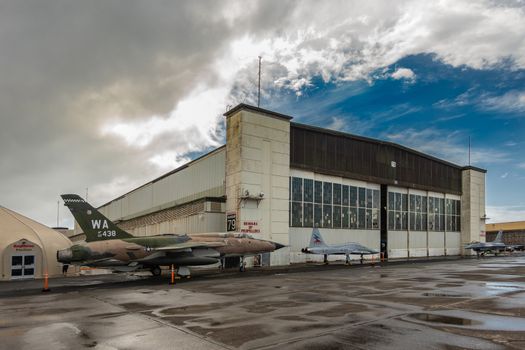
22, 266
22, 259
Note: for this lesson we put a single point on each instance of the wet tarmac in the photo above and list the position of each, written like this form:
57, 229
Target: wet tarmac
458, 304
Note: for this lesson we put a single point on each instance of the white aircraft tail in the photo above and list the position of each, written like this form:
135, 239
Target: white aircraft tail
316, 240
499, 238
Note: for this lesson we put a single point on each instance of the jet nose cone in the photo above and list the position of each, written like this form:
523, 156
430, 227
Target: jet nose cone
278, 245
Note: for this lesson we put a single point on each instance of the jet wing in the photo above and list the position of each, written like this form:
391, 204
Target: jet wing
189, 245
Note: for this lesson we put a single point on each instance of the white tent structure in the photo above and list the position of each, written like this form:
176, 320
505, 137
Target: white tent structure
28, 248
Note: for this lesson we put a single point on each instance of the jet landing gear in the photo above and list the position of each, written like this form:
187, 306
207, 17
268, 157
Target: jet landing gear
325, 261
242, 265
361, 259
347, 259
156, 271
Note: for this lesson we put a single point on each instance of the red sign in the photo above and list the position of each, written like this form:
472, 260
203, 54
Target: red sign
23, 246
250, 227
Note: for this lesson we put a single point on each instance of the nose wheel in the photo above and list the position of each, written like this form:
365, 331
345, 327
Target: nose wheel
156, 271
242, 265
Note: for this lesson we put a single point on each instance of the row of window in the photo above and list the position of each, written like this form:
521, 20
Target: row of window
332, 205
422, 213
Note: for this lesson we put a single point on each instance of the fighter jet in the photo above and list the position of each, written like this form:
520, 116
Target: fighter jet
318, 246
109, 246
496, 246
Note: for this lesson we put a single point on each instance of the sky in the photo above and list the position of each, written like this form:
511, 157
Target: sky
105, 96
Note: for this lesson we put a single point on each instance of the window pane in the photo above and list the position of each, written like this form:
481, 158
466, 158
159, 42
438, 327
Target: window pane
423, 204
442, 222
404, 220
308, 190
345, 195
412, 221
327, 193
297, 189
424, 222
361, 218
391, 219
29, 260
327, 216
368, 219
398, 201
418, 222
318, 215
418, 204
308, 214
297, 214
431, 225
318, 192
362, 197
337, 194
16, 272
458, 208
376, 200
412, 206
404, 202
353, 196
369, 198
353, 217
398, 220
391, 201
345, 218
375, 219
16, 260
337, 217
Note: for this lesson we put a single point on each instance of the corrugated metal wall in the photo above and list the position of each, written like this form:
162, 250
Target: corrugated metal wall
345, 155
203, 177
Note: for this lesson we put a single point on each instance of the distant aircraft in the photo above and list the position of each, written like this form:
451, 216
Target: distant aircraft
318, 246
109, 246
496, 246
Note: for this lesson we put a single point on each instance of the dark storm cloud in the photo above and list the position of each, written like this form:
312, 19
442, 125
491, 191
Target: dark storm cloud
74, 74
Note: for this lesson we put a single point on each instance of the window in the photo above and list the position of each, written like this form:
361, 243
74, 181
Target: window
308, 215
308, 190
332, 205
327, 216
398, 211
337, 194
318, 192
327, 193
297, 214
297, 189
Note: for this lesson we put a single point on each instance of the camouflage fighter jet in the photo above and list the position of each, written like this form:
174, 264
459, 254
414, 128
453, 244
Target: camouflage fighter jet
109, 246
318, 246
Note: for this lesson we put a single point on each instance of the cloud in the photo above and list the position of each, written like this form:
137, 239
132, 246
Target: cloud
504, 176
403, 73
92, 91
521, 165
510, 102
446, 145
505, 213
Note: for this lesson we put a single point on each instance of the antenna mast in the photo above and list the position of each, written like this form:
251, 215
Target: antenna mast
58, 212
259, 87
469, 151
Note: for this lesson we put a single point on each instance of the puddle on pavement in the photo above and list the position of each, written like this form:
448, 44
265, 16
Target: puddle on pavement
472, 320
457, 321
445, 295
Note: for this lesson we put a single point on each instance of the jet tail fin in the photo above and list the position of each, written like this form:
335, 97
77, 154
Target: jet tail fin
316, 240
96, 226
499, 237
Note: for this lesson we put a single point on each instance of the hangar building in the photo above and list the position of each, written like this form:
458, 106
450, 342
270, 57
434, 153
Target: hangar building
27, 248
276, 179
513, 232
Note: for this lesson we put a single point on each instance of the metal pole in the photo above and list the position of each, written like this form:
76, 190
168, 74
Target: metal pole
58, 212
469, 150
259, 87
